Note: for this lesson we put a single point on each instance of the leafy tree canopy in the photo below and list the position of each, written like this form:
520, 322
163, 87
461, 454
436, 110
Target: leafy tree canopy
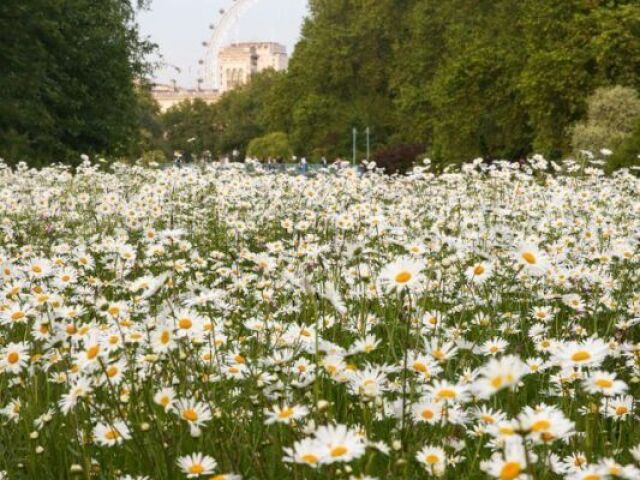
67, 72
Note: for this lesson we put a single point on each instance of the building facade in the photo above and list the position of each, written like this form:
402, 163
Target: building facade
236, 64
169, 95
239, 61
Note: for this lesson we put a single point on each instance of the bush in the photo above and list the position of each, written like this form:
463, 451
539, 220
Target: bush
153, 156
272, 145
398, 158
612, 115
626, 155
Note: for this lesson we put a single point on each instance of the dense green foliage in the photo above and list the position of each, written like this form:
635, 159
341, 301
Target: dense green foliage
468, 78
272, 146
494, 78
67, 71
239, 117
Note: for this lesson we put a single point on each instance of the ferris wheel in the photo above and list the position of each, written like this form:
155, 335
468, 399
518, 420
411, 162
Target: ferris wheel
228, 19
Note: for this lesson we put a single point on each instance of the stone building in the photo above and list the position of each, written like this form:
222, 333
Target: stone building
239, 61
236, 64
169, 95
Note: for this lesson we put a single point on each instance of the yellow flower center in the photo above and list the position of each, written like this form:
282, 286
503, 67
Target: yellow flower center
196, 469
479, 270
112, 435
15, 316
604, 383
403, 277
431, 459
93, 352
438, 354
446, 393
510, 471
36, 269
190, 415
622, 410
338, 451
581, 356
427, 414
112, 371
496, 382
310, 458
165, 337
185, 323
286, 413
420, 367
13, 357
540, 426
529, 257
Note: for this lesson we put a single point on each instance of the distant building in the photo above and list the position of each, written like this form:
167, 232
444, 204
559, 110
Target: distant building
169, 95
239, 61
236, 64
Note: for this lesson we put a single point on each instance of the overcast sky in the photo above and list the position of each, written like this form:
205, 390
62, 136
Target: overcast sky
180, 26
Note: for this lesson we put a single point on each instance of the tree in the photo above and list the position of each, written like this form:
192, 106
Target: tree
193, 127
67, 73
240, 112
612, 117
491, 78
151, 127
271, 146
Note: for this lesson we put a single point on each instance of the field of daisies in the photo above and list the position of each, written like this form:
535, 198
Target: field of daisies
227, 322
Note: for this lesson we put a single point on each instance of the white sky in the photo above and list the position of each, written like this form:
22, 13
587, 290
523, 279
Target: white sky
180, 26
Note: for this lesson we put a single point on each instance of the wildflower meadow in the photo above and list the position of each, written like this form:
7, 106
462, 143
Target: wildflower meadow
228, 322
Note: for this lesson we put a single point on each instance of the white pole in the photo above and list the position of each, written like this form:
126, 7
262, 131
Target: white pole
368, 145
355, 139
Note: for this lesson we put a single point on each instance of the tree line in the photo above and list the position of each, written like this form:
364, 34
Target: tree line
463, 78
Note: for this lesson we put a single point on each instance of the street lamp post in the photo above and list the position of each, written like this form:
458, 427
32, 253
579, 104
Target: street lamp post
368, 143
355, 141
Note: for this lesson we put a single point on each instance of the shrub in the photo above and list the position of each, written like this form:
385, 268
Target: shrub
153, 156
398, 158
272, 145
627, 154
612, 116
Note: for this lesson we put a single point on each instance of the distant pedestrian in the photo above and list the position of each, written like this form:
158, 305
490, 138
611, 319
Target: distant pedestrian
177, 159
